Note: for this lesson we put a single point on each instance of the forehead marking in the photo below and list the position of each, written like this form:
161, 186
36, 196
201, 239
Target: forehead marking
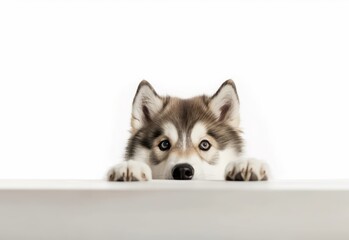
199, 131
184, 139
171, 131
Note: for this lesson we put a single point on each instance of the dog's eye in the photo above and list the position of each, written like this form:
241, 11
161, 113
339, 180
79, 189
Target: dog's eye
164, 145
204, 145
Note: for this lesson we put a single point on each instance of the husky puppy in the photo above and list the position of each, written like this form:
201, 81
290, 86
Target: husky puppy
185, 139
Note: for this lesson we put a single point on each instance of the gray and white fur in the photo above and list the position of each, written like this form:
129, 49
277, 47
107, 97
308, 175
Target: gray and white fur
185, 139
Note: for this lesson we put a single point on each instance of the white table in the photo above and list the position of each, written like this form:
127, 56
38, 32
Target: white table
174, 210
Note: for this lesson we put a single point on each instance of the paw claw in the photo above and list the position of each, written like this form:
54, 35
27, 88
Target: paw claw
111, 176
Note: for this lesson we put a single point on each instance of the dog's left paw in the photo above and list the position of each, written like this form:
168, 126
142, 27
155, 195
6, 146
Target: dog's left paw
130, 171
247, 170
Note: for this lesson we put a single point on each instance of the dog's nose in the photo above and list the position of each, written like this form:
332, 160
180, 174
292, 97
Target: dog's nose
183, 171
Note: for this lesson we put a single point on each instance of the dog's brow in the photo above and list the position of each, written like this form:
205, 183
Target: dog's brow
170, 131
198, 131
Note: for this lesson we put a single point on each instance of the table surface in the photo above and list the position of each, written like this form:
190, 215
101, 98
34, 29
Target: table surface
93, 185
89, 209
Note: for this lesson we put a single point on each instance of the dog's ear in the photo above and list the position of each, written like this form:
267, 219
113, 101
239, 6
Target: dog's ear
146, 104
225, 104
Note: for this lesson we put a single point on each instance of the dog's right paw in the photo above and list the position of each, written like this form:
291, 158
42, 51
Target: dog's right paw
130, 171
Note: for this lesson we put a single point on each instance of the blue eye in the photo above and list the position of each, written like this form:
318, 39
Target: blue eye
164, 145
204, 145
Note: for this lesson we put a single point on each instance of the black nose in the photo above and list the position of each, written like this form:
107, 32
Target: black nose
183, 171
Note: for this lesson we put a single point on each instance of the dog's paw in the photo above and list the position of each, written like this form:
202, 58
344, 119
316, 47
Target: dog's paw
129, 171
247, 170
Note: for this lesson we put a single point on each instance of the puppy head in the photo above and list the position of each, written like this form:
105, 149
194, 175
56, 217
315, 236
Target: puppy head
185, 138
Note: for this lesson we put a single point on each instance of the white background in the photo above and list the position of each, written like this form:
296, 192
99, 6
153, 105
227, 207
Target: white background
69, 71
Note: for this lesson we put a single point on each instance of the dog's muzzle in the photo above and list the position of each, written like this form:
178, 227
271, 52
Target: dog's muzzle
183, 171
